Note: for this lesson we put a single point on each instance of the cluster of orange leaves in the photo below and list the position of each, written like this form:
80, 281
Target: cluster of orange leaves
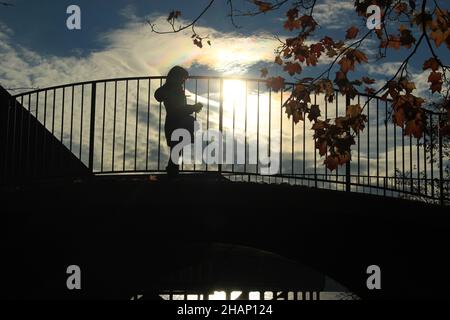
333, 139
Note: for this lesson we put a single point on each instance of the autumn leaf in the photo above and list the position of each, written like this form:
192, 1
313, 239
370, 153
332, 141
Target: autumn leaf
278, 60
293, 68
369, 91
307, 21
263, 6
435, 78
332, 162
346, 65
295, 108
292, 24
174, 15
432, 64
317, 48
392, 42
438, 36
415, 126
353, 111
275, 83
399, 118
408, 86
352, 32
314, 113
320, 125
406, 37
367, 80
322, 147
198, 42
360, 56
401, 7
292, 13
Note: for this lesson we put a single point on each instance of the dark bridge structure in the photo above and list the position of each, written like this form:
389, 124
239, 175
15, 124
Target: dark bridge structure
82, 175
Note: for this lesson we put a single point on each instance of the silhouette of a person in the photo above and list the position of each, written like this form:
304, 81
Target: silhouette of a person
178, 112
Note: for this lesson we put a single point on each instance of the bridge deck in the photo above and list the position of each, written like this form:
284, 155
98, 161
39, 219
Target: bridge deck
128, 234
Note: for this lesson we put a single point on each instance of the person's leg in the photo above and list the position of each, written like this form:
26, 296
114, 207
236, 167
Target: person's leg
172, 168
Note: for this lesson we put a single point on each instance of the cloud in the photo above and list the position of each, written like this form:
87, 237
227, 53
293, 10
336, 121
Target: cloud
387, 69
132, 50
334, 14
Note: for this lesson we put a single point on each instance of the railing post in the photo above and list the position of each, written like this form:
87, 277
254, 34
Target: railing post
347, 165
221, 127
92, 127
441, 166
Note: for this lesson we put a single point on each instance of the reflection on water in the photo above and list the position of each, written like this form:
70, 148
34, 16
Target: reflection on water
266, 295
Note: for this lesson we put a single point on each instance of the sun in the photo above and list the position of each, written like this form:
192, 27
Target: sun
234, 91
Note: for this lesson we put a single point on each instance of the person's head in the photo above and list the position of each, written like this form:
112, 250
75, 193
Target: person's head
177, 75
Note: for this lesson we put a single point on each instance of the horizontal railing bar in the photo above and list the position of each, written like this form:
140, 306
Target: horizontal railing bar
287, 84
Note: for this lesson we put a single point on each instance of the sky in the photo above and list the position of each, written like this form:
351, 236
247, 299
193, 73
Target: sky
38, 50
115, 40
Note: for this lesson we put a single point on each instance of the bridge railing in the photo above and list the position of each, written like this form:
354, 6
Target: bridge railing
115, 126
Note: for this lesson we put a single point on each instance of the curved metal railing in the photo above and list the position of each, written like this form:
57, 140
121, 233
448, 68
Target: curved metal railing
115, 126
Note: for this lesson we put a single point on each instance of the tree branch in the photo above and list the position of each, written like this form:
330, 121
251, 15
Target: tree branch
181, 28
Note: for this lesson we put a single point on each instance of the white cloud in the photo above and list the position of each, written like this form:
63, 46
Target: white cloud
387, 69
334, 14
131, 51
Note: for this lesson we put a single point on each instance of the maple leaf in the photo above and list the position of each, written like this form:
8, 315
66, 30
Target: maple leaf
292, 24
292, 13
414, 128
360, 56
346, 65
438, 36
399, 117
322, 147
295, 108
401, 7
311, 60
367, 80
317, 48
175, 14
435, 78
332, 162
353, 111
369, 91
327, 42
293, 68
307, 21
264, 72
392, 42
198, 42
275, 83
352, 32
407, 85
406, 37
314, 113
423, 18
263, 6
278, 60
432, 64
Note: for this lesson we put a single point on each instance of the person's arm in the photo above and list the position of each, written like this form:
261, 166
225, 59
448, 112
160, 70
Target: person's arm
191, 108
176, 105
